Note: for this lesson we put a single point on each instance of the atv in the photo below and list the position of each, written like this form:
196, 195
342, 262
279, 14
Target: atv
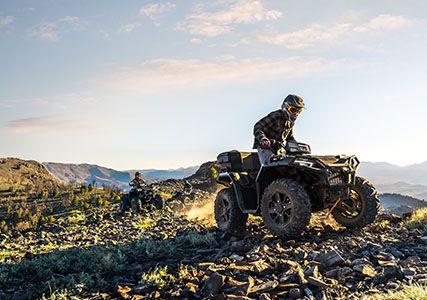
140, 197
285, 191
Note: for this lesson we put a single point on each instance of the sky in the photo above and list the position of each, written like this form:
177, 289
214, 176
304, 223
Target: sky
164, 84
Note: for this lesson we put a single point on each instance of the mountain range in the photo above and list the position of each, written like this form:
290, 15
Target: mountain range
88, 173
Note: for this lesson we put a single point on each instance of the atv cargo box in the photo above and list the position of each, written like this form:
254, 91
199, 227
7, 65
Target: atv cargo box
235, 161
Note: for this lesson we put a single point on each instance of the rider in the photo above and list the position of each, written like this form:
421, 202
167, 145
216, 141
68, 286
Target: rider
135, 184
277, 127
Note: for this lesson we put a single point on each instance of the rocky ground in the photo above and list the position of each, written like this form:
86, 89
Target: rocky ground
101, 254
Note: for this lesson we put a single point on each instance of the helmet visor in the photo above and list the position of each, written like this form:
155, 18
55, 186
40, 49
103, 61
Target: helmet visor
294, 110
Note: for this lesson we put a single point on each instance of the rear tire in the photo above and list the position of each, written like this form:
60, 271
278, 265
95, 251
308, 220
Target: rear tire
285, 208
158, 202
361, 209
228, 215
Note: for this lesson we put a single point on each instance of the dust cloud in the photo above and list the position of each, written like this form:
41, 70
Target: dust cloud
202, 211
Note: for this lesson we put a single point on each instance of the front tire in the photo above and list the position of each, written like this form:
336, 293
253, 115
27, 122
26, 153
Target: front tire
228, 216
361, 208
285, 208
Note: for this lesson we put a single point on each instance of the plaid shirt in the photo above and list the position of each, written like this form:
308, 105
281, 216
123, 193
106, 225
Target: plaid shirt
137, 183
274, 126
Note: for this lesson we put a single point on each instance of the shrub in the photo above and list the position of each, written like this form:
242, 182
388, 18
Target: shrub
214, 173
76, 218
3, 227
411, 292
166, 196
159, 277
418, 219
57, 193
76, 201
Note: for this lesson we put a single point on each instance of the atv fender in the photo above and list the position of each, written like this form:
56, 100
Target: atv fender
233, 179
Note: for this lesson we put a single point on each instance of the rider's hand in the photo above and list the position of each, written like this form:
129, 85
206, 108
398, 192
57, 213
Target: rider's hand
265, 142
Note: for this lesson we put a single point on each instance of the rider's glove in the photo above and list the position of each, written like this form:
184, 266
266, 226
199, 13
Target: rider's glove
265, 143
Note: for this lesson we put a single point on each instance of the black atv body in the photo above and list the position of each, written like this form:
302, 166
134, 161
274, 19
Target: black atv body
290, 187
141, 197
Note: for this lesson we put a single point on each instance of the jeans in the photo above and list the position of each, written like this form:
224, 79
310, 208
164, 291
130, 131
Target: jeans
264, 155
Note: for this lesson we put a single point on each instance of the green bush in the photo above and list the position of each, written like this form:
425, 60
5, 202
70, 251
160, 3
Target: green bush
159, 277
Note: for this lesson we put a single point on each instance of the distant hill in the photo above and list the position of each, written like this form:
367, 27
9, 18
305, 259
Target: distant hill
386, 173
388, 178
415, 190
88, 173
400, 204
19, 174
168, 174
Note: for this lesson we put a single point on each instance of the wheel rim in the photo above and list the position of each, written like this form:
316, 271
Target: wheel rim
280, 208
352, 206
224, 211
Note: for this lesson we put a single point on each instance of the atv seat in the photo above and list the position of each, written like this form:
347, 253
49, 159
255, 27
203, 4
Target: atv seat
236, 161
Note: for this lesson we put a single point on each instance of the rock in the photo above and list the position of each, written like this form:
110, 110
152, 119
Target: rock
411, 261
392, 285
264, 297
393, 273
409, 272
313, 271
191, 287
261, 267
361, 261
308, 292
396, 253
123, 291
301, 276
384, 263
295, 293
317, 282
264, 287
339, 273
365, 269
213, 285
424, 239
238, 246
332, 258
236, 257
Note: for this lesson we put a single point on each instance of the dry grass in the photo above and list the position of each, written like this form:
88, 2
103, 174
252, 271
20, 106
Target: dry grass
417, 220
411, 292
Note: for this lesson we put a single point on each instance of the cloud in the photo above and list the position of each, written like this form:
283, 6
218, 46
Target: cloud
6, 20
153, 10
51, 31
29, 125
317, 33
383, 23
224, 21
129, 27
196, 41
191, 73
307, 37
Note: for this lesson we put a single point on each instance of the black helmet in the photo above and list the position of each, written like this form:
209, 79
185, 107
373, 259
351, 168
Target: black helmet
137, 174
292, 106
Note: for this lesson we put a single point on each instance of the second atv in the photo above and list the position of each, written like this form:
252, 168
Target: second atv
142, 197
288, 189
